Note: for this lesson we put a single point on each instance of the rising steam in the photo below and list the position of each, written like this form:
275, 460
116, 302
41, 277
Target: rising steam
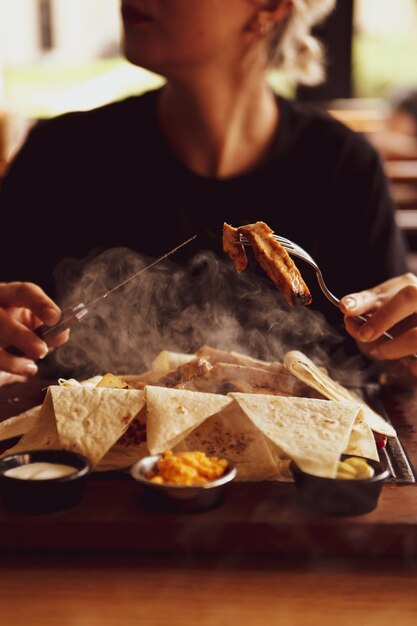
179, 309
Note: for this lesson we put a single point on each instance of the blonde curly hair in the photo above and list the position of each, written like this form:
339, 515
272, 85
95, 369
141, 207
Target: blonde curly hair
292, 47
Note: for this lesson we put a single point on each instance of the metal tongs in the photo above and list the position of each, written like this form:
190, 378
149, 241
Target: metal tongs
75, 314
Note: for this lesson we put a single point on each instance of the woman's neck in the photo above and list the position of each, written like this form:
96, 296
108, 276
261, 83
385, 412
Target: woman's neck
219, 126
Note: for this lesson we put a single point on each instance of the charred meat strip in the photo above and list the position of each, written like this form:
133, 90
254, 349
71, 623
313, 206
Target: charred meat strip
235, 250
183, 373
276, 263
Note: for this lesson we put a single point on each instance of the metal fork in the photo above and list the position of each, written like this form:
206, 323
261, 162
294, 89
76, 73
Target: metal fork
295, 250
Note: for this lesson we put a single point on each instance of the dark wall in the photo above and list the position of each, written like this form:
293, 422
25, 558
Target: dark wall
336, 36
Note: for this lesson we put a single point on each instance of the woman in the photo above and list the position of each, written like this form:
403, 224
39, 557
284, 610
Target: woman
214, 144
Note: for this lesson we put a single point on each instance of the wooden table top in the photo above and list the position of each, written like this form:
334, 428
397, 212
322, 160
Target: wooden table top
131, 590
52, 580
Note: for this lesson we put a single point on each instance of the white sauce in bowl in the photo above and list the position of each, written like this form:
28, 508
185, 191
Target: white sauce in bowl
40, 471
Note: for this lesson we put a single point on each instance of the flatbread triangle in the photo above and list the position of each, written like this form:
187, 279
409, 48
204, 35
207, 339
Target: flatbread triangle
305, 370
91, 419
174, 413
313, 433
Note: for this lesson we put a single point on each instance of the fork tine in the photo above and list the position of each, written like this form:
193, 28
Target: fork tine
283, 241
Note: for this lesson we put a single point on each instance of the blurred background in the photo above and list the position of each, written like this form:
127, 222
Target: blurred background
57, 56
61, 55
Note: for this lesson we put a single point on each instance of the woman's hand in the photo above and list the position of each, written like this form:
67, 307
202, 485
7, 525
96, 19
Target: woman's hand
392, 306
24, 307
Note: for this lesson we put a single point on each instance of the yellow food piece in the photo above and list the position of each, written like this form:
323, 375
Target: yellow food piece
111, 381
187, 468
354, 468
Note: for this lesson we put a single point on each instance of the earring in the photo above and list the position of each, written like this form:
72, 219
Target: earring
264, 28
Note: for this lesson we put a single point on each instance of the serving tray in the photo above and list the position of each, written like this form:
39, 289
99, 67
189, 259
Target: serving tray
115, 514
393, 456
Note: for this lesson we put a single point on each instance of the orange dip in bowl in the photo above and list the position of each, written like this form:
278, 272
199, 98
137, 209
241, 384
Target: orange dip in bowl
187, 468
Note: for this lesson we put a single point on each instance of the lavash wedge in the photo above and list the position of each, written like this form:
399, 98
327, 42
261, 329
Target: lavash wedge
42, 435
91, 419
231, 434
19, 424
173, 413
305, 370
313, 433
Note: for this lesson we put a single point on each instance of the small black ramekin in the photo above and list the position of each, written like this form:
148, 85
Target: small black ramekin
337, 496
31, 496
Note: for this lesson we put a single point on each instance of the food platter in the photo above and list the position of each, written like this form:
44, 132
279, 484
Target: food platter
261, 517
261, 415
268, 427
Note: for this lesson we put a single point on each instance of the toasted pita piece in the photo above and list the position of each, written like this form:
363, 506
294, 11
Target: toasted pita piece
361, 440
225, 377
313, 433
229, 433
277, 263
233, 249
91, 420
110, 381
167, 361
71, 382
303, 368
139, 381
19, 424
214, 355
173, 413
43, 434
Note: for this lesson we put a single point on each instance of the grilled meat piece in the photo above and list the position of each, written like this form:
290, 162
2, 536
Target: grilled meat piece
195, 368
235, 250
276, 263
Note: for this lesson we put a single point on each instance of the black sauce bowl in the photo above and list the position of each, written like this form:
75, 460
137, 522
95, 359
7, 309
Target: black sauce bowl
38, 496
337, 496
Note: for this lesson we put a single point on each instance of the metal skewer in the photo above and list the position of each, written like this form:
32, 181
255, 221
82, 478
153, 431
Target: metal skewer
75, 314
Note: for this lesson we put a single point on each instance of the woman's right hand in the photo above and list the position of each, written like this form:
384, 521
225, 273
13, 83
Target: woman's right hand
24, 307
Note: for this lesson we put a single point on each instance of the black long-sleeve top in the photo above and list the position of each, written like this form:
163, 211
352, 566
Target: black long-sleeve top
88, 181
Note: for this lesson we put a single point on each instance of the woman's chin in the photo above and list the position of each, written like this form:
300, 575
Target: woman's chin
142, 58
